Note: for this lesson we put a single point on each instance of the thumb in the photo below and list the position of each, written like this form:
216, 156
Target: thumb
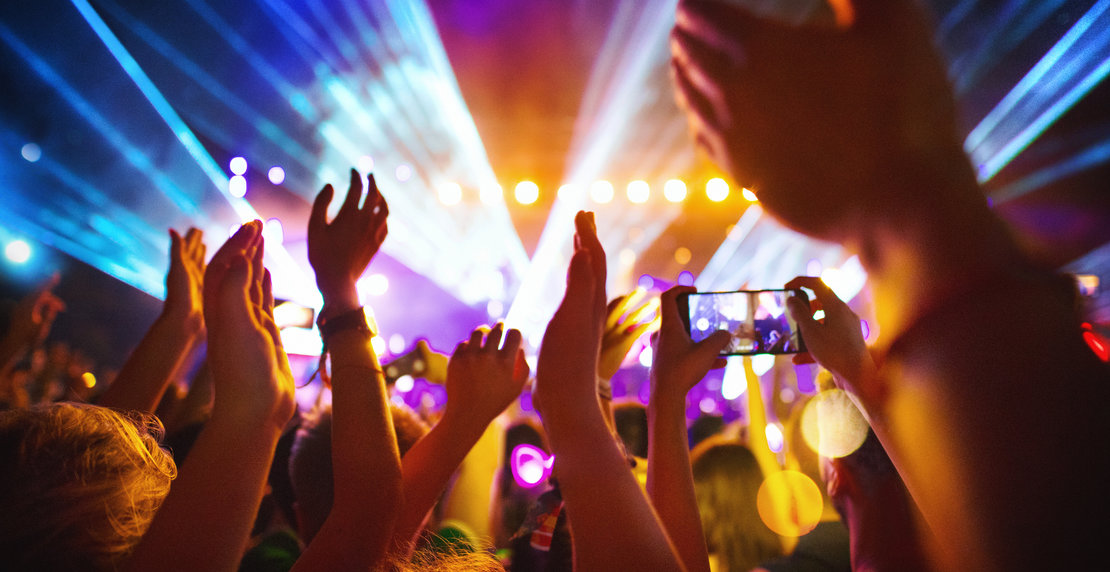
712, 346
800, 311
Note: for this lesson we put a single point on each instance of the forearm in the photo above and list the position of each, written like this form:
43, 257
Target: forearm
366, 464
621, 531
206, 520
670, 481
152, 366
426, 468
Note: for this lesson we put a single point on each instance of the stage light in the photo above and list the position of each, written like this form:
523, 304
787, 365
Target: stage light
646, 282
273, 232
18, 251
601, 192
396, 344
237, 186
749, 195
685, 278
565, 191
238, 166
495, 309
734, 383
88, 379
276, 175
647, 356
682, 255
708, 405
378, 344
373, 285
639, 192
491, 194
526, 192
365, 164
774, 437
405, 383
403, 173
674, 190
31, 152
450, 194
627, 257
762, 363
716, 189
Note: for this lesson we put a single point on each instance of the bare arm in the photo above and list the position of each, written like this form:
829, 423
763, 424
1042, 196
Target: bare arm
366, 464
159, 357
482, 380
679, 365
213, 502
613, 525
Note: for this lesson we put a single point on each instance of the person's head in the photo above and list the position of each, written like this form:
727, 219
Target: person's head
631, 421
727, 478
310, 468
79, 485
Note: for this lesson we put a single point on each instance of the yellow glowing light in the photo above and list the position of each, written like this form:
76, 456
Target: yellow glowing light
674, 190
831, 424
526, 192
716, 189
682, 255
89, 379
378, 344
803, 503
748, 194
450, 194
639, 192
564, 191
601, 192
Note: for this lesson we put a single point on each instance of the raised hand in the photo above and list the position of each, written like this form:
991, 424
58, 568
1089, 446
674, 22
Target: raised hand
622, 328
249, 365
339, 251
836, 341
680, 363
821, 120
185, 280
483, 379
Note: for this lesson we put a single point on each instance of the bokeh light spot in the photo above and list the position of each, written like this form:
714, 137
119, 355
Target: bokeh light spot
237, 186
802, 499
831, 424
276, 175
601, 192
682, 255
31, 152
526, 192
639, 192
18, 251
716, 189
674, 190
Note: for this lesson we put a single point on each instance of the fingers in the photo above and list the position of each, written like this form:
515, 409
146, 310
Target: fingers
668, 307
720, 24
493, 339
257, 270
713, 344
614, 310
233, 294
580, 279
476, 338
825, 297
802, 315
177, 249
512, 345
354, 193
267, 294
318, 219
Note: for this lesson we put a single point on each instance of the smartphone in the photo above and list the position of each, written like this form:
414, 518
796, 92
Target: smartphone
757, 320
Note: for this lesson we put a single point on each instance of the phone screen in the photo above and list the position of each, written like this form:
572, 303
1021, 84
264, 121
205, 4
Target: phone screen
757, 320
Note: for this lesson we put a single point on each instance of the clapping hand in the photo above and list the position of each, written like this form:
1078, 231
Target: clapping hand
483, 378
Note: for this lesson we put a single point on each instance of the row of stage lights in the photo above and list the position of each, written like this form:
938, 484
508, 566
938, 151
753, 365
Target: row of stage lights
600, 192
525, 192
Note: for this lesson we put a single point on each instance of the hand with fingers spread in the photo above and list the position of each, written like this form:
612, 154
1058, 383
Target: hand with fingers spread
821, 119
836, 341
483, 379
339, 251
626, 320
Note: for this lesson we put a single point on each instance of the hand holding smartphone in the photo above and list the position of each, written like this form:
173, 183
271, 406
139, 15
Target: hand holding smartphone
757, 320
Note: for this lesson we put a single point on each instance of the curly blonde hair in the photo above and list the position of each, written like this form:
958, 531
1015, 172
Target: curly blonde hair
79, 485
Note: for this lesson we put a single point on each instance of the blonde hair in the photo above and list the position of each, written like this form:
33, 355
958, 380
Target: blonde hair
726, 482
79, 485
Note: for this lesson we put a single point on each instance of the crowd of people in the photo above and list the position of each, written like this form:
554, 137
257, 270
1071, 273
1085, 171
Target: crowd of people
986, 409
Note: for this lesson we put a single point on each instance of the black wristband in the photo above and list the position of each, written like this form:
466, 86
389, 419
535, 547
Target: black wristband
350, 320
